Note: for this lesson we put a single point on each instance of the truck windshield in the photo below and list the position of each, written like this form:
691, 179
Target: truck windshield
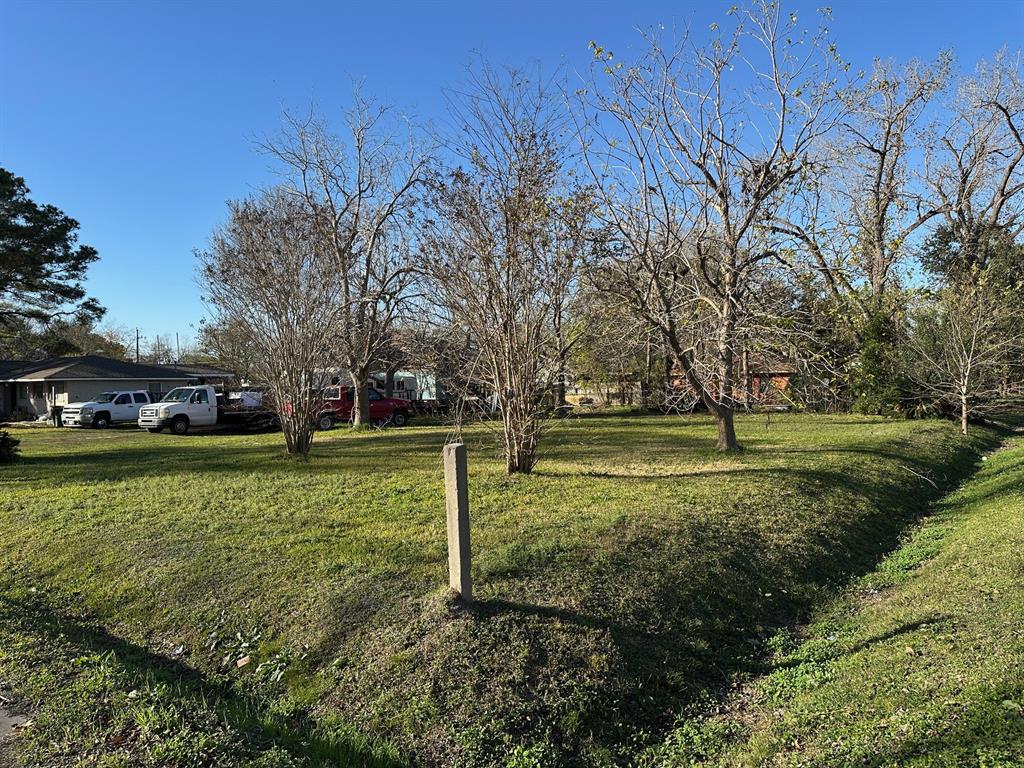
177, 395
106, 397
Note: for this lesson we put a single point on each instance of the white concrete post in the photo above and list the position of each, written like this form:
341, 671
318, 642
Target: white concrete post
456, 491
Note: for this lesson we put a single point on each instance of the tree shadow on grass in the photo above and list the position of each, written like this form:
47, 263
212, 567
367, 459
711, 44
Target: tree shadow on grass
669, 605
171, 456
984, 730
296, 734
838, 651
662, 609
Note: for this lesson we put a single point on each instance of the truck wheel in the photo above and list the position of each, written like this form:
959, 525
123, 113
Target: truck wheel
101, 421
324, 422
400, 418
180, 425
154, 430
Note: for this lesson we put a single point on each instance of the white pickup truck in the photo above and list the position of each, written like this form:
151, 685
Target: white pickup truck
108, 408
202, 406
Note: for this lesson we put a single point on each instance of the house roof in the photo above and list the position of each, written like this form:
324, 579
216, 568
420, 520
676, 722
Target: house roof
198, 369
6, 366
96, 367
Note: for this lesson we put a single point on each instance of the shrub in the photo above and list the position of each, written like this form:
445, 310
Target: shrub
8, 447
879, 379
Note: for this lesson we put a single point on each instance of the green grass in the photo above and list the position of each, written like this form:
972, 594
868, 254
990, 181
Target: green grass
920, 663
636, 575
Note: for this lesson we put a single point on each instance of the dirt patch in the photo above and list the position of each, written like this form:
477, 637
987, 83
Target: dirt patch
9, 722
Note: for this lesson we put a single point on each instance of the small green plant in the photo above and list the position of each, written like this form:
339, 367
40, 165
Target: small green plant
273, 669
235, 646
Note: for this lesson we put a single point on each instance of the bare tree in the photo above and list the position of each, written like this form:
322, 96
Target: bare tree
693, 149
865, 195
230, 345
504, 248
159, 349
963, 344
362, 189
976, 168
269, 271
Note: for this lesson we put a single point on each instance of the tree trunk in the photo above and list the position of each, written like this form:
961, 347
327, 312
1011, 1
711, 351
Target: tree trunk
725, 407
389, 382
726, 430
562, 356
560, 391
722, 409
519, 463
298, 434
669, 362
360, 400
963, 412
520, 447
645, 382
747, 382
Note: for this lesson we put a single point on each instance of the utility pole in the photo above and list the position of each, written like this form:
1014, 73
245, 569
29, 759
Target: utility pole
177, 349
136, 345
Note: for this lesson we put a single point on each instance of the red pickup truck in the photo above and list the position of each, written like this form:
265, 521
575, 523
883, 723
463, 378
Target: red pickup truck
337, 408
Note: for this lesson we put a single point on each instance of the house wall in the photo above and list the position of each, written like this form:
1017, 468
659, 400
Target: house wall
767, 388
31, 397
9, 399
36, 397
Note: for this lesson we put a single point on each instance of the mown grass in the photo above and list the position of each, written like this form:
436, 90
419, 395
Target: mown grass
920, 663
635, 574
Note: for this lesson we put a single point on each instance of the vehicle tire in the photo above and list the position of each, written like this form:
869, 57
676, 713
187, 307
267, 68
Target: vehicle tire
180, 425
324, 422
400, 418
101, 421
154, 430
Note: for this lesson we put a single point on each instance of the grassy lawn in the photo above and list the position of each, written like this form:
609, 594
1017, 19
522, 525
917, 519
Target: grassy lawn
920, 664
635, 576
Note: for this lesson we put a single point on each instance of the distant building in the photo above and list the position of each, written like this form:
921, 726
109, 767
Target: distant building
407, 385
33, 387
764, 380
758, 381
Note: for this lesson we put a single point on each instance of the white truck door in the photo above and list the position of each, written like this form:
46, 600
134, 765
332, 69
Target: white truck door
201, 411
121, 408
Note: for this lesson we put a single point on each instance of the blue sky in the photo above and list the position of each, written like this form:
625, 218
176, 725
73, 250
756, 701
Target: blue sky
138, 119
